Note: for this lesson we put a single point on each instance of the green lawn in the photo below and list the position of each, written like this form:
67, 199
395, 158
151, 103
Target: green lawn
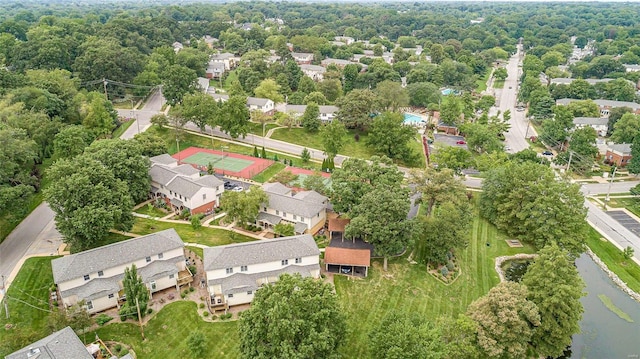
256, 128
109, 239
197, 250
626, 269
352, 148
204, 235
155, 212
481, 83
408, 288
229, 79
271, 171
498, 84
30, 287
632, 204
167, 332
120, 129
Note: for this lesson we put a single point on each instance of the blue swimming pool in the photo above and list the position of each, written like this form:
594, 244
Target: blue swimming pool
411, 119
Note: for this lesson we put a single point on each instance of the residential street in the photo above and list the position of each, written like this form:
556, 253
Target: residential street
143, 117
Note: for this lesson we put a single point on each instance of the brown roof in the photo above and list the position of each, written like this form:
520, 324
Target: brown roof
346, 256
338, 224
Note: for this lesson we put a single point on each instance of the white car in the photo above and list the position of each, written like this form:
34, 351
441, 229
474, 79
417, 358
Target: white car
237, 189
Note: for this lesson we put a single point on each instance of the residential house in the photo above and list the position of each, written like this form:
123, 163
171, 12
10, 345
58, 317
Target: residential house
327, 112
219, 97
597, 123
95, 276
605, 105
263, 105
177, 46
314, 71
350, 256
235, 272
347, 40
305, 210
631, 68
302, 58
182, 187
215, 70
63, 344
619, 154
209, 40
338, 62
568, 81
229, 60
203, 84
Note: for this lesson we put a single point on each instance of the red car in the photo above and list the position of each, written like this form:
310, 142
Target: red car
461, 142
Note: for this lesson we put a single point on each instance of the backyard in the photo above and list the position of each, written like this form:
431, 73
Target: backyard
203, 235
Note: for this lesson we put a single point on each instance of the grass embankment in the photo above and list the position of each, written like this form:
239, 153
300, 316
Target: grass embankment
153, 211
626, 269
256, 128
231, 76
481, 83
121, 129
409, 288
203, 235
28, 302
352, 148
498, 84
271, 171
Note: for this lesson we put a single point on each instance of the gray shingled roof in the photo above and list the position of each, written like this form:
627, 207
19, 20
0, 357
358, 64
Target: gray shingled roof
602, 103
299, 109
257, 101
116, 254
302, 54
313, 68
159, 269
311, 196
590, 121
63, 344
271, 218
95, 288
163, 159
209, 181
185, 169
300, 227
161, 174
262, 251
293, 205
243, 282
620, 147
276, 187
219, 97
184, 186
222, 56
328, 109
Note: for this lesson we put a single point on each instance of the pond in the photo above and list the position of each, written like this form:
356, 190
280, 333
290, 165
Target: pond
604, 333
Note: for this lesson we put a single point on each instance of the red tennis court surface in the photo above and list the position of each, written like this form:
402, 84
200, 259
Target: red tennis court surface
302, 171
255, 165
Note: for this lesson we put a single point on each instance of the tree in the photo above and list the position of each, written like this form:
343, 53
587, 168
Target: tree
105, 57
460, 336
285, 177
178, 81
161, 120
626, 128
315, 182
555, 287
332, 136
454, 158
125, 160
614, 115
386, 227
306, 85
71, 141
196, 221
197, 343
583, 146
450, 111
234, 119
99, 116
88, 201
526, 201
199, 109
268, 88
392, 96
436, 186
406, 336
390, 137
634, 162
445, 230
311, 117
437, 53
136, 292
423, 94
284, 229
481, 138
506, 320
500, 74
305, 156
316, 97
357, 107
294, 317
330, 88
150, 144
243, 207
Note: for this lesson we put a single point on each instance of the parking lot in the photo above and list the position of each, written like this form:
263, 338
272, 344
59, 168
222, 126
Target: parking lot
626, 220
449, 140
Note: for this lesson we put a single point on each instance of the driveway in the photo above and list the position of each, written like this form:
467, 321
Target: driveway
626, 220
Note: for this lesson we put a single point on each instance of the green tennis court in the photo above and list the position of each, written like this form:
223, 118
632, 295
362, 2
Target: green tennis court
227, 163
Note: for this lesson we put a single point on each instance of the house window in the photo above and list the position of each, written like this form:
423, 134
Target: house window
86, 277
249, 292
295, 218
148, 259
110, 295
100, 273
285, 262
204, 196
243, 268
264, 209
277, 213
89, 305
284, 214
229, 270
160, 255
230, 295
171, 193
171, 276
298, 260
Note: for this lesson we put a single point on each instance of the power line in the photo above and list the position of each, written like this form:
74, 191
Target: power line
28, 304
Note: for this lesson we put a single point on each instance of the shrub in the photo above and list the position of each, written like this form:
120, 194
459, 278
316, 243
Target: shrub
202, 299
183, 295
191, 289
149, 310
201, 305
226, 316
103, 319
450, 265
118, 348
55, 303
193, 269
205, 314
214, 317
444, 271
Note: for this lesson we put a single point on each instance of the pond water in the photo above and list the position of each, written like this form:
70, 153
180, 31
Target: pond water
604, 334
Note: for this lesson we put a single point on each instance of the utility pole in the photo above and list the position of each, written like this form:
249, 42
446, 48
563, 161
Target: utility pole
140, 318
569, 163
104, 85
4, 298
607, 198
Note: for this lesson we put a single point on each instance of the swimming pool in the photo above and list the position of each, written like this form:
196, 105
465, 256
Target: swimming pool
411, 119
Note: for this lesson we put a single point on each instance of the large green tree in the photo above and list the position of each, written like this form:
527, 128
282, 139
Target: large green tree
136, 292
406, 336
357, 108
332, 136
199, 109
311, 118
296, 318
177, 81
88, 201
269, 88
71, 141
626, 128
555, 286
392, 95
506, 320
447, 229
243, 207
423, 94
235, 116
526, 201
436, 186
389, 136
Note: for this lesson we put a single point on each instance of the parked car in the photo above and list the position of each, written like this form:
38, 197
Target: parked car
547, 153
461, 142
237, 189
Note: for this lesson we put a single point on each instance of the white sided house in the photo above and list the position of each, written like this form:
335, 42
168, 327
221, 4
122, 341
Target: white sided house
305, 210
263, 105
327, 112
599, 124
234, 272
182, 187
315, 72
95, 276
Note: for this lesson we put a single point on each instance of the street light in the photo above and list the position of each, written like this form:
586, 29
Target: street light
222, 161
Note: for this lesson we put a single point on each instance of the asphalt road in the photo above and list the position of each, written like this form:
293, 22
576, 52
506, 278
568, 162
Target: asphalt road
142, 117
613, 229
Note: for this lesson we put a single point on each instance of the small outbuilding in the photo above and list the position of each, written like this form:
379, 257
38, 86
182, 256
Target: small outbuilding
349, 261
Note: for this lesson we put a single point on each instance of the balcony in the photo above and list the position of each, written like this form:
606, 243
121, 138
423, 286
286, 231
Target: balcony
184, 277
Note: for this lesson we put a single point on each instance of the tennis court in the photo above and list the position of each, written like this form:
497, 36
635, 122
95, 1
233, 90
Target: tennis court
226, 163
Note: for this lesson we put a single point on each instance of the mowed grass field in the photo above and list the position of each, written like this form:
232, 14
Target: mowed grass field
409, 288
203, 235
167, 332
